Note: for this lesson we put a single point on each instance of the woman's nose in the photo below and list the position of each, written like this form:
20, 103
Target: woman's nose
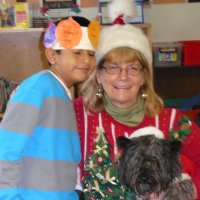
123, 73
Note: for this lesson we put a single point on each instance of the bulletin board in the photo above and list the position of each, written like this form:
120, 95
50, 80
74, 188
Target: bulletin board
105, 19
88, 3
56, 4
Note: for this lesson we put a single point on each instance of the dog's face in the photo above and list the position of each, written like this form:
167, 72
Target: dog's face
148, 164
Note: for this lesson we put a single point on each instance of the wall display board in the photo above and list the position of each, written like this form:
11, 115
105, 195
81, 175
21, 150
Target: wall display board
55, 4
104, 18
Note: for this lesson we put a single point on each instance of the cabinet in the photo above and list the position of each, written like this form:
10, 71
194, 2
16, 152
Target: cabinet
177, 82
22, 53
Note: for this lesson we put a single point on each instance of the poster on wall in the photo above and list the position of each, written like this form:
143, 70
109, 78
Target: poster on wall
104, 18
7, 16
56, 4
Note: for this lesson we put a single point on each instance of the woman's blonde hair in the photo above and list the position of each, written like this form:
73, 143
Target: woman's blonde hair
153, 103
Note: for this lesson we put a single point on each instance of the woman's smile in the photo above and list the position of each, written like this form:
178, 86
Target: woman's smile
122, 87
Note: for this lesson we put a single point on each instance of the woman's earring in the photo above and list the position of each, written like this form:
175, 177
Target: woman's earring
143, 94
99, 93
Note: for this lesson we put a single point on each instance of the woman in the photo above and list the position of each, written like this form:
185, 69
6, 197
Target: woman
119, 97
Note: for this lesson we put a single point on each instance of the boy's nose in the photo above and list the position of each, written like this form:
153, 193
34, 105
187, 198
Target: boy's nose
85, 57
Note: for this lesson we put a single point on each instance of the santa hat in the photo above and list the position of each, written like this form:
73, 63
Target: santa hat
121, 34
72, 33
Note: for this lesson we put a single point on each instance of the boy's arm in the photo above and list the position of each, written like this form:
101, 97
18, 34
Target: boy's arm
15, 130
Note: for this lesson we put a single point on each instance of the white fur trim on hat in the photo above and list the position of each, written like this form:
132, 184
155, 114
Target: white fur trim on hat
149, 130
185, 176
120, 36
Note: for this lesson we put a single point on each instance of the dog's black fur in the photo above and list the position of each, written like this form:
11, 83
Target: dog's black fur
149, 165
80, 194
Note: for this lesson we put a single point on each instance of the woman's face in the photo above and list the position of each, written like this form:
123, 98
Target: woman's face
122, 87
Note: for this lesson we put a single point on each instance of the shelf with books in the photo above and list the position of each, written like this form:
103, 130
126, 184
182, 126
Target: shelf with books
16, 30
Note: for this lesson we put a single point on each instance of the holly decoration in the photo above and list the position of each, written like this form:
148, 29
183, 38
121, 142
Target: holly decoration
44, 10
184, 129
101, 179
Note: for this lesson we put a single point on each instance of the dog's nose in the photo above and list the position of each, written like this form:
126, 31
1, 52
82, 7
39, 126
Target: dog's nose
144, 178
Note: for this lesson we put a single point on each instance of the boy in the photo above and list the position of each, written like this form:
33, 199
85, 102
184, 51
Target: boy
39, 143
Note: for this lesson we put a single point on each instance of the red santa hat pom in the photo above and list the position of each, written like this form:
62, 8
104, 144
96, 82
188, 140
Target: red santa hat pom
119, 20
121, 11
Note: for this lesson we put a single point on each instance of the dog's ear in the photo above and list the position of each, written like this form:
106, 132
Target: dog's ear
175, 145
123, 142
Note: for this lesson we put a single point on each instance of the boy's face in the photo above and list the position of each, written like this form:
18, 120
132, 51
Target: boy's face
73, 65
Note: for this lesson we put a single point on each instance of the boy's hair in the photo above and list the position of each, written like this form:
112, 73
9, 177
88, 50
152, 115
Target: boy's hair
153, 103
81, 20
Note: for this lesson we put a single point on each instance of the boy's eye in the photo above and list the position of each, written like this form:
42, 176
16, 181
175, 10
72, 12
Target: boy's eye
77, 51
91, 53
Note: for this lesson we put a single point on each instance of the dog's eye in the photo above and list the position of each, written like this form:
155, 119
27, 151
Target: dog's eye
154, 158
148, 161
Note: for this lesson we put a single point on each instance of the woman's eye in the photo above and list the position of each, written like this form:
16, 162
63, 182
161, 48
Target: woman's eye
133, 67
114, 66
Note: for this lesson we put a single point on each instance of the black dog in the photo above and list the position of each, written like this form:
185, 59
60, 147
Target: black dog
152, 169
